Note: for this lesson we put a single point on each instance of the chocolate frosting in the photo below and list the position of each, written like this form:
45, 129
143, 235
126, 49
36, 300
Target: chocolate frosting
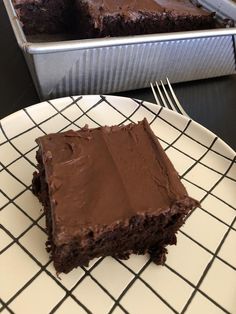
132, 9
98, 177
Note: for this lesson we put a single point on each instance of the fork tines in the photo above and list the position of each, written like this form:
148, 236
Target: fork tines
165, 96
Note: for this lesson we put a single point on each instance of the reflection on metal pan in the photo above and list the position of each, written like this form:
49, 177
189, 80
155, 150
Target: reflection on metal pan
108, 65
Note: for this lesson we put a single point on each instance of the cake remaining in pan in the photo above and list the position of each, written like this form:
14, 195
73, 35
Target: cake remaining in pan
45, 16
110, 191
100, 18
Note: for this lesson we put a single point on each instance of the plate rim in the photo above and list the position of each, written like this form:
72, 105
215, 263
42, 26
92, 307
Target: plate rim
222, 142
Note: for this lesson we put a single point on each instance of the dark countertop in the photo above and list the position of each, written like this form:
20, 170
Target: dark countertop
210, 102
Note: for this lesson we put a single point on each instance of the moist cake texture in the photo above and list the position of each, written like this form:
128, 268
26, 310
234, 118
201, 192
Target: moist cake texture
100, 18
119, 18
109, 191
45, 16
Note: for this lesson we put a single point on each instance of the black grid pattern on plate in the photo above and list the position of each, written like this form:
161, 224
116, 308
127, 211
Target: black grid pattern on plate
196, 287
218, 248
69, 292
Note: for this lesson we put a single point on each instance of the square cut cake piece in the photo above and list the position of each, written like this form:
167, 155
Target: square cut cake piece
103, 18
45, 16
109, 191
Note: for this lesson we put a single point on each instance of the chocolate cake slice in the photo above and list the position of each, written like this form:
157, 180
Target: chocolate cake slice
109, 191
102, 18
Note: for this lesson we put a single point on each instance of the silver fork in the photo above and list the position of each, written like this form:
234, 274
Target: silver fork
165, 96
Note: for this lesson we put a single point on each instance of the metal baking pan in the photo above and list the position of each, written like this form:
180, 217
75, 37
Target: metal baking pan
109, 65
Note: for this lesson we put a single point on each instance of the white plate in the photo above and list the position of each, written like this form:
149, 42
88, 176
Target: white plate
199, 275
